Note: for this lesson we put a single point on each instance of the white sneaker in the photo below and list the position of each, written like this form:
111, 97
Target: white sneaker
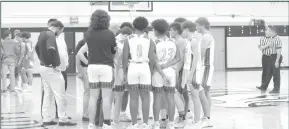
125, 118
189, 115
206, 123
27, 88
170, 125
163, 124
105, 126
135, 126
157, 125
144, 126
18, 88
91, 126
192, 125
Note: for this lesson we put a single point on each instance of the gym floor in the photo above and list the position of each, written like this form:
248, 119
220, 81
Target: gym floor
237, 104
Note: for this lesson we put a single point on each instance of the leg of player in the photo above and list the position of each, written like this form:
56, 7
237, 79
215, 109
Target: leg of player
169, 95
106, 78
205, 95
157, 99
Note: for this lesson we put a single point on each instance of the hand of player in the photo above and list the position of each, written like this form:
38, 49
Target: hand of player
164, 66
56, 69
80, 75
124, 80
276, 64
166, 80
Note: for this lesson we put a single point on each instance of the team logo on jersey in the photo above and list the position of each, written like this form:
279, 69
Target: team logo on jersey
244, 98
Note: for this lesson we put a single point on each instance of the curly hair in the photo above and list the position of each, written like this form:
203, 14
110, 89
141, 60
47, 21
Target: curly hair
126, 30
126, 24
99, 20
140, 23
160, 25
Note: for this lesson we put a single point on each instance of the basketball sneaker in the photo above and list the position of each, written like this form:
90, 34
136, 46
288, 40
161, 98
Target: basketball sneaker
170, 125
124, 117
135, 126
105, 126
156, 125
91, 126
206, 123
144, 126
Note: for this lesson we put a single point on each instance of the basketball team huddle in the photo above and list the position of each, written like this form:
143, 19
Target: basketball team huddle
162, 66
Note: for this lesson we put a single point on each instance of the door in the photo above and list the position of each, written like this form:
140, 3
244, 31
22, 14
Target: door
219, 36
69, 39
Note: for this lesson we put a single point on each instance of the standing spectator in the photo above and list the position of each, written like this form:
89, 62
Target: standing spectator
52, 79
271, 45
8, 60
20, 56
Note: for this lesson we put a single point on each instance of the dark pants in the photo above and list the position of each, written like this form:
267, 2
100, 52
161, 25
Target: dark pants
269, 71
64, 74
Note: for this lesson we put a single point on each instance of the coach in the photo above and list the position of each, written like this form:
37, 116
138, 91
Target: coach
271, 45
52, 79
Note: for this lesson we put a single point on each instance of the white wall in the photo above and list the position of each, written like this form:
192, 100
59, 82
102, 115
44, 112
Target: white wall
243, 52
37, 12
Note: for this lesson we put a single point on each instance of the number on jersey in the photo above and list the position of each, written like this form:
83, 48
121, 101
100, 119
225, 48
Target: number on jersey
139, 51
167, 54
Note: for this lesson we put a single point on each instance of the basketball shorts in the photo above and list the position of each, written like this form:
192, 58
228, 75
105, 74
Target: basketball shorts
118, 82
158, 82
139, 77
195, 84
100, 76
208, 72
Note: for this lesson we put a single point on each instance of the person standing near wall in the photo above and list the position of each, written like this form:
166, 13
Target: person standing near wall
271, 45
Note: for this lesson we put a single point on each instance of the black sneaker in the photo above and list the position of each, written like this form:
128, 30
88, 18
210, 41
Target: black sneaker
85, 119
49, 123
274, 92
67, 123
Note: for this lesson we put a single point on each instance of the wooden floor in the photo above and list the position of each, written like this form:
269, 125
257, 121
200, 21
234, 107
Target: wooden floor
236, 104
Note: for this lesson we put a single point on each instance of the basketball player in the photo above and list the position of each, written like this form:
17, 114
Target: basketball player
138, 74
192, 68
124, 115
27, 69
8, 60
119, 83
168, 55
183, 90
175, 33
101, 43
207, 58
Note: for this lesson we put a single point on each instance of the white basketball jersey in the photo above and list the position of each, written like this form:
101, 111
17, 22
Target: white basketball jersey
188, 55
139, 48
120, 44
166, 50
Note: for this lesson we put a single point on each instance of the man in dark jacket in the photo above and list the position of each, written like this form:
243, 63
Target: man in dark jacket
52, 79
